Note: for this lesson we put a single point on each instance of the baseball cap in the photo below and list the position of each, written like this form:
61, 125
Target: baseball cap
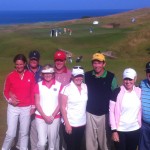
34, 55
77, 70
98, 56
48, 70
59, 55
147, 67
129, 73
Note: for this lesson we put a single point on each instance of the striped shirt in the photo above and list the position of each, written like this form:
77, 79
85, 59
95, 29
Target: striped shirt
145, 87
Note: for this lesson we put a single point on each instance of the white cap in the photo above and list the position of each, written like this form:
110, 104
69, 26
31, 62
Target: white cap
77, 70
49, 70
129, 73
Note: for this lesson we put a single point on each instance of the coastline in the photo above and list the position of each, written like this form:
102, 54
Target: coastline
33, 17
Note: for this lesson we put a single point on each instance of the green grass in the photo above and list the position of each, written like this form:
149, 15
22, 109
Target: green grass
130, 43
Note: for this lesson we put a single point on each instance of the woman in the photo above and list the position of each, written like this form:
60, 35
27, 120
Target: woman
73, 109
18, 91
125, 112
47, 115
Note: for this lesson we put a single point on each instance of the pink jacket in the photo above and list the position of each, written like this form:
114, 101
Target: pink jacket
115, 108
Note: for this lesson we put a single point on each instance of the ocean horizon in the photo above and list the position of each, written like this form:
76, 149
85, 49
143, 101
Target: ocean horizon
28, 17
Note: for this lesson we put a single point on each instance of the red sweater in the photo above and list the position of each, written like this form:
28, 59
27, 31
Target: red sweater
21, 88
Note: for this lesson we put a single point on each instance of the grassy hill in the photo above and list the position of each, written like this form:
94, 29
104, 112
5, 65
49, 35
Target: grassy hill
128, 41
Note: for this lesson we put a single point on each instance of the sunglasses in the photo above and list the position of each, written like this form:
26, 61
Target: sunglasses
128, 79
78, 67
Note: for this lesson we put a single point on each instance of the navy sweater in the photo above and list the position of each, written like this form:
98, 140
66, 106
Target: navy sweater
99, 92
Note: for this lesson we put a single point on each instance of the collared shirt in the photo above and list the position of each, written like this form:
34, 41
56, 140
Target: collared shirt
64, 77
48, 96
37, 74
114, 81
76, 104
22, 88
99, 91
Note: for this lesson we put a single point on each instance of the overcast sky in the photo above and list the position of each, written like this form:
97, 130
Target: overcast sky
72, 4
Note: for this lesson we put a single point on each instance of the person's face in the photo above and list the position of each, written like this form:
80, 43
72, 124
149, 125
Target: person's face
148, 76
77, 80
48, 76
98, 66
128, 83
59, 64
33, 63
20, 65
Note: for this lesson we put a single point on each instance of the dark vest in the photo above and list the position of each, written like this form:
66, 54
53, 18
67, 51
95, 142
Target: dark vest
99, 92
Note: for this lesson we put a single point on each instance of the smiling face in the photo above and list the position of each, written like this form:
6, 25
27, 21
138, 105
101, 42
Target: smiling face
20, 66
33, 63
60, 64
98, 66
48, 76
148, 74
77, 80
129, 83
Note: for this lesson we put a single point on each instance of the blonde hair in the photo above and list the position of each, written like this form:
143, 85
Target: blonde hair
46, 67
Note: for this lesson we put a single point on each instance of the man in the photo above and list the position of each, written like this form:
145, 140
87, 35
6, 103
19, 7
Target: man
63, 75
100, 83
144, 143
35, 68
33, 65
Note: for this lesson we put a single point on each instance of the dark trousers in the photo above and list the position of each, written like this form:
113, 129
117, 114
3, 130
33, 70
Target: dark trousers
74, 140
144, 143
128, 140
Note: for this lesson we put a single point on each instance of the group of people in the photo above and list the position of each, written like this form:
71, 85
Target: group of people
58, 108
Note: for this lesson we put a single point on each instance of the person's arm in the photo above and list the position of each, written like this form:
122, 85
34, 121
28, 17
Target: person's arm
63, 103
114, 84
32, 90
57, 110
32, 95
115, 136
9, 96
40, 110
112, 117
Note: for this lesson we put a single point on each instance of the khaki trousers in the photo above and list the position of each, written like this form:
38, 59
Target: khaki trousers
98, 133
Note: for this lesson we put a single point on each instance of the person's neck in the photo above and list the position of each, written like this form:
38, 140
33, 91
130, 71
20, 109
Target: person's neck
49, 83
98, 74
79, 87
148, 81
129, 89
34, 69
21, 73
60, 70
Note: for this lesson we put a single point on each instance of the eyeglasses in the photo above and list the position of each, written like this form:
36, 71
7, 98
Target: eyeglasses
128, 79
78, 67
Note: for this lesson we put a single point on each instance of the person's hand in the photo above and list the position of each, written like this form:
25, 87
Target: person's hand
68, 128
115, 137
48, 119
32, 111
13, 100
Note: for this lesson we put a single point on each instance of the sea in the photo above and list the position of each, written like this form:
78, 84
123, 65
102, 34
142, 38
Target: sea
28, 17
